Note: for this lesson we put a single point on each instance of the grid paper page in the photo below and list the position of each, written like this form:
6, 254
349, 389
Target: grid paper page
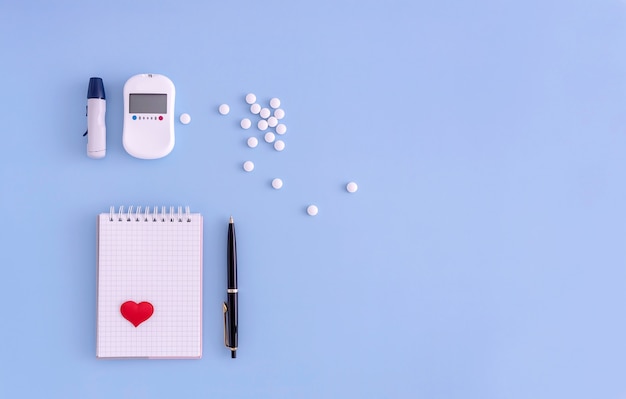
156, 261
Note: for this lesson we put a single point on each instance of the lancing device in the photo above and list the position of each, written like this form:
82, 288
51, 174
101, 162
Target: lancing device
96, 127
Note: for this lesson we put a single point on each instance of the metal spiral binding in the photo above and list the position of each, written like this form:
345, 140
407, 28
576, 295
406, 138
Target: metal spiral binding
137, 215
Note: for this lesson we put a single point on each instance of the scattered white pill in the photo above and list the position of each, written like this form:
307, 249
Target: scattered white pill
312, 210
272, 121
265, 113
275, 103
250, 98
279, 114
281, 129
224, 109
279, 145
253, 142
277, 183
255, 108
248, 166
262, 125
245, 123
352, 187
269, 137
185, 119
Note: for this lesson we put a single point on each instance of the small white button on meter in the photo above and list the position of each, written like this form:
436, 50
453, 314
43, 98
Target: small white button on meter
149, 116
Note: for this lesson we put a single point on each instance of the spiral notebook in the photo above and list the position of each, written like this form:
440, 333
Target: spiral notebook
149, 283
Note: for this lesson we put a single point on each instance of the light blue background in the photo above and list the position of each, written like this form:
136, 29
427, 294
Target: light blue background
482, 257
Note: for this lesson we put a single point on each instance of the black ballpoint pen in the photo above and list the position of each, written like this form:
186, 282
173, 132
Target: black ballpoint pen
230, 306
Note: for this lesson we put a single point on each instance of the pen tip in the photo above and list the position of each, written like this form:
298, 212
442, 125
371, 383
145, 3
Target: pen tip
231, 220
233, 354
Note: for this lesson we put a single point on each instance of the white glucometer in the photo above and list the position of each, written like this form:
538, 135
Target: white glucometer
149, 116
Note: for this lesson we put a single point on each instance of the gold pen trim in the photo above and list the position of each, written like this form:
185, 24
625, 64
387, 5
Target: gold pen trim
225, 309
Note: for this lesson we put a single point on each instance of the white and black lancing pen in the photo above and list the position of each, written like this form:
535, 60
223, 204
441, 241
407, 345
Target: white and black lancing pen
230, 306
96, 126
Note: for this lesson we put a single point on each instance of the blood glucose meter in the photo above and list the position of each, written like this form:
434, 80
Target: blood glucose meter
149, 116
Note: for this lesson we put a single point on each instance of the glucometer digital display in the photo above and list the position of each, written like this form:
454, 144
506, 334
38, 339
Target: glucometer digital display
149, 116
148, 103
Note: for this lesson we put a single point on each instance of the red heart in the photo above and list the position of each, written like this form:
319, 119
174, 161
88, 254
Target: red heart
135, 312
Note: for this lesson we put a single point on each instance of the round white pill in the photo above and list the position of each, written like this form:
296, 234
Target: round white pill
255, 108
262, 125
269, 137
279, 113
312, 210
281, 129
250, 98
265, 113
352, 187
275, 103
253, 142
224, 109
277, 183
272, 121
279, 145
185, 119
245, 123
248, 166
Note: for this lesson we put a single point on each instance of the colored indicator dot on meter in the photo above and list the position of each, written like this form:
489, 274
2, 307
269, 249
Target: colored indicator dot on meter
160, 118
134, 117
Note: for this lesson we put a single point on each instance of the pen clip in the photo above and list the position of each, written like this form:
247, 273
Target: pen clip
225, 309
